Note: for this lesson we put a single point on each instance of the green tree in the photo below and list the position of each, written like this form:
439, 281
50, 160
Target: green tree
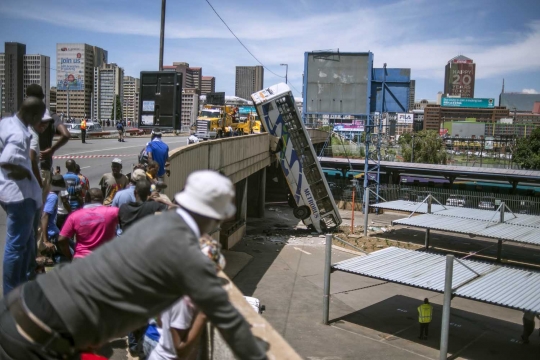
429, 147
118, 109
527, 151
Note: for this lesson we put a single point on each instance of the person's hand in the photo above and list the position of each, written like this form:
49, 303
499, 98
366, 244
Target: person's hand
18, 173
168, 172
50, 248
155, 196
46, 153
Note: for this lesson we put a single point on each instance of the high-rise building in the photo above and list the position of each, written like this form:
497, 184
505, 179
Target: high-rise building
459, 76
208, 85
412, 94
191, 76
190, 107
17, 71
108, 84
131, 98
75, 65
52, 97
249, 79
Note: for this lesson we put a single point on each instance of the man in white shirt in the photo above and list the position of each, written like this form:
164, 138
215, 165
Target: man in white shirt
192, 139
20, 194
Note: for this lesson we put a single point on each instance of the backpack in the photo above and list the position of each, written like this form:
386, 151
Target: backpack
143, 156
119, 126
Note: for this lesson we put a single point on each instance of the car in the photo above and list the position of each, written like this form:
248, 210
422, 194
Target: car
456, 200
487, 203
525, 207
91, 127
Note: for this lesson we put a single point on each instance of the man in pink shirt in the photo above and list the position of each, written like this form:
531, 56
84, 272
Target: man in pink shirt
93, 226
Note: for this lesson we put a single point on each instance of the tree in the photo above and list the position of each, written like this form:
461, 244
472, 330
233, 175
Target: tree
118, 109
527, 151
429, 147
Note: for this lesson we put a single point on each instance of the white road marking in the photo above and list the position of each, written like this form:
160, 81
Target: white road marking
305, 252
118, 148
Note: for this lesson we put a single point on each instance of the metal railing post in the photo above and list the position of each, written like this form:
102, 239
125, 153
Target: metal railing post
445, 325
327, 271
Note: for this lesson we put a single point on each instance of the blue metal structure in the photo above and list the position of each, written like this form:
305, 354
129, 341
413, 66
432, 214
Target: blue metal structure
396, 83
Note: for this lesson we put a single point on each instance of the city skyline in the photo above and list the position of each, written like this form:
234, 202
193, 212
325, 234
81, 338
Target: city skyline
402, 34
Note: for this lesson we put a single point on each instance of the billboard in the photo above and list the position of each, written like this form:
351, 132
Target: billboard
246, 110
459, 78
405, 118
356, 125
70, 66
468, 103
337, 83
160, 99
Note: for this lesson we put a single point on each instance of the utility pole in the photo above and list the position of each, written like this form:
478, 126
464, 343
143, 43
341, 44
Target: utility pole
412, 152
114, 108
162, 35
68, 102
286, 71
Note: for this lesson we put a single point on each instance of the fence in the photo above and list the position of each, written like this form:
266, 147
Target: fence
466, 198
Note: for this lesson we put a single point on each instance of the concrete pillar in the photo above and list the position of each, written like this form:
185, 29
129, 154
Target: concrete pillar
241, 200
256, 194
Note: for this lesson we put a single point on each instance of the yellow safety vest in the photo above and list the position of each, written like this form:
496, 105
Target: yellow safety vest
425, 312
83, 125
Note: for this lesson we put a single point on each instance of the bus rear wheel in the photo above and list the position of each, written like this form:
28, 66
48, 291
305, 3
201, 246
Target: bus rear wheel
301, 212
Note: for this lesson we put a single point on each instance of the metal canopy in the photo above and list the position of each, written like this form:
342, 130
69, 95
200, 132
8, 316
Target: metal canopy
493, 284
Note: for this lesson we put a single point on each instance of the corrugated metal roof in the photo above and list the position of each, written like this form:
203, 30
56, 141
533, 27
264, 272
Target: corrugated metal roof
498, 285
503, 231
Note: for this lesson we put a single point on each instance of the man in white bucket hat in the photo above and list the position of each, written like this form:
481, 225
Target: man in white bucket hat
129, 280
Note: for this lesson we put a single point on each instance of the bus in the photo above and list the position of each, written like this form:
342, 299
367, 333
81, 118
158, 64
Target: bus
315, 205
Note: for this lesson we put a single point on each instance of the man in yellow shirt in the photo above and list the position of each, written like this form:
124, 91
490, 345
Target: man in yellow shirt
425, 314
83, 130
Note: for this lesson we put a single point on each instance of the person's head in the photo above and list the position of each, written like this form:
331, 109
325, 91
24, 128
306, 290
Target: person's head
35, 90
208, 197
142, 190
44, 123
156, 133
31, 111
426, 301
137, 175
77, 169
71, 165
95, 195
152, 167
116, 166
57, 183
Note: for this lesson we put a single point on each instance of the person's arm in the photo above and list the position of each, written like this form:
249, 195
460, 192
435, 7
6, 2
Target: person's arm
44, 225
184, 340
13, 156
103, 186
62, 130
158, 199
65, 202
63, 247
66, 233
35, 167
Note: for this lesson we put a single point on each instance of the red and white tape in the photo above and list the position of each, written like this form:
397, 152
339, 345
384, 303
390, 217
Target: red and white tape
89, 156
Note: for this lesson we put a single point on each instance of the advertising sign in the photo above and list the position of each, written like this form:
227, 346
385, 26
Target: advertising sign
405, 118
356, 125
246, 110
69, 67
468, 103
460, 78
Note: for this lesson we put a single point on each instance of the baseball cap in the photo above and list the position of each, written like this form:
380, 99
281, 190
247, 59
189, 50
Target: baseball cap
47, 116
156, 131
58, 183
209, 194
117, 161
137, 175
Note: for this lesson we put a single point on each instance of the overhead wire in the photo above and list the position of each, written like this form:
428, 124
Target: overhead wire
245, 47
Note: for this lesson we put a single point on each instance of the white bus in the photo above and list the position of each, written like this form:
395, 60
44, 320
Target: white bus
279, 116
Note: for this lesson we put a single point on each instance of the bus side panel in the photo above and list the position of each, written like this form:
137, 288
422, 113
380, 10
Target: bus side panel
291, 165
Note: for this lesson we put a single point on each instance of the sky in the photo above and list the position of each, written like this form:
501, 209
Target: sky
502, 37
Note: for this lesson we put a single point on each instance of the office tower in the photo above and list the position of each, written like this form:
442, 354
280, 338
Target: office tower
108, 84
190, 107
52, 99
412, 91
249, 79
208, 85
37, 70
75, 65
459, 75
131, 98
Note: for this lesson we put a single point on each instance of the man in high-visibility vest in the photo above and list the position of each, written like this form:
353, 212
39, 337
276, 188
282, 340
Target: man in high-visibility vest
83, 130
425, 313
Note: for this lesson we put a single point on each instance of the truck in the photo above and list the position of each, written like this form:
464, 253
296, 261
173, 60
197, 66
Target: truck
313, 200
213, 121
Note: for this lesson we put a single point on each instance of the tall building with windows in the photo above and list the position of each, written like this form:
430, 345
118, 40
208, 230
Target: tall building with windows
108, 84
208, 85
412, 94
17, 71
75, 65
52, 97
190, 107
459, 75
131, 98
249, 79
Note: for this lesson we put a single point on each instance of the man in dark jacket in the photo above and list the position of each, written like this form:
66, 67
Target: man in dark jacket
117, 289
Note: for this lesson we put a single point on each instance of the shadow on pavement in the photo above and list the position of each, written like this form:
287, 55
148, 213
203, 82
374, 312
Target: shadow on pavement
472, 336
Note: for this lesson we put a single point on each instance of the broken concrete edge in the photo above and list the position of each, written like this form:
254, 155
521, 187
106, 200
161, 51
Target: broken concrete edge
278, 348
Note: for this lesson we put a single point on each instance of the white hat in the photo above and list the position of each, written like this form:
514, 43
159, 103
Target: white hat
47, 116
209, 194
137, 175
117, 161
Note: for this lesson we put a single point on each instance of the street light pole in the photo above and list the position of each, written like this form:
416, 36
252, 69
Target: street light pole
286, 71
162, 35
68, 102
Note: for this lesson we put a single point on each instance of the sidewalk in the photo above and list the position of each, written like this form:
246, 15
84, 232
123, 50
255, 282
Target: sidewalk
370, 319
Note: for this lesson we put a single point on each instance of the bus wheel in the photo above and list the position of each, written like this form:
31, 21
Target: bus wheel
301, 212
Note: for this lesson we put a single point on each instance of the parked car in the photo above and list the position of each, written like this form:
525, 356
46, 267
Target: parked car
456, 200
525, 207
487, 203
91, 127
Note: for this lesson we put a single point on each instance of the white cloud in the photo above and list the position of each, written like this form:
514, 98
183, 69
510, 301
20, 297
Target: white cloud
529, 91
